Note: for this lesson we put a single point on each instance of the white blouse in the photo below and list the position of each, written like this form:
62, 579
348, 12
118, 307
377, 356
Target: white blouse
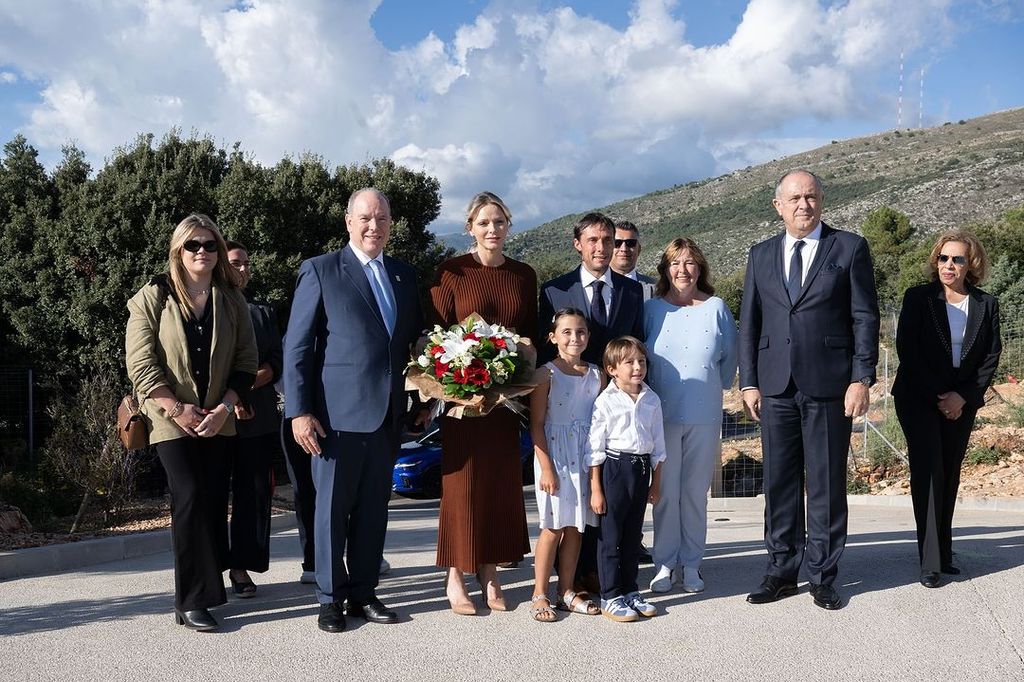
957, 314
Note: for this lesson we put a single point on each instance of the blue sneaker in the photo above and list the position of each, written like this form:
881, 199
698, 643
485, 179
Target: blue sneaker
617, 610
637, 603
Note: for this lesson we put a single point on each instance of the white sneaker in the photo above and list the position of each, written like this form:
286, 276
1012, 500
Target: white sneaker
308, 578
640, 605
385, 567
617, 610
663, 580
692, 582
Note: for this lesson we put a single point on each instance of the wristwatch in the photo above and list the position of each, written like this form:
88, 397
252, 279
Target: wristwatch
867, 381
229, 407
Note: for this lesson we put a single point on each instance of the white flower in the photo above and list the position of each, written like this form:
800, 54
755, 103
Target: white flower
423, 361
458, 349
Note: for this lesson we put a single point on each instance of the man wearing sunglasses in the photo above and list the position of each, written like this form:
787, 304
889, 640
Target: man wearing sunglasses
626, 254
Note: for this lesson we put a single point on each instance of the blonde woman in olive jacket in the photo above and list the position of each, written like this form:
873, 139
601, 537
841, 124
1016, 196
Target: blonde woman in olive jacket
191, 358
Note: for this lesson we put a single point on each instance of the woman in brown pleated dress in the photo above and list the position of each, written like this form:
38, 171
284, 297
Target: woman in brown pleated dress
483, 521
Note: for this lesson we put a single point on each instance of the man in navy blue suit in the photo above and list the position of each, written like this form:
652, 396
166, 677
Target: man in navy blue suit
614, 306
808, 349
354, 319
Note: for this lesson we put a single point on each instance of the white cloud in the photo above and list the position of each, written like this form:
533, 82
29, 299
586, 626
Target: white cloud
555, 111
8, 77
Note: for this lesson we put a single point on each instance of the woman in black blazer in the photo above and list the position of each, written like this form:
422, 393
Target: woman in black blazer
948, 345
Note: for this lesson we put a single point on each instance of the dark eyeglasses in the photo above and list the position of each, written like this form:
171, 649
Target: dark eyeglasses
957, 260
630, 243
193, 246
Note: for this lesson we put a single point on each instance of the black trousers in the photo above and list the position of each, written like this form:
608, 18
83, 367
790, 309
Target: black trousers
301, 474
353, 487
935, 448
626, 482
804, 440
197, 475
251, 490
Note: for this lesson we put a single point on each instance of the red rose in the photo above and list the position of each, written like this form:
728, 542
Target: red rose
437, 350
471, 337
440, 368
498, 343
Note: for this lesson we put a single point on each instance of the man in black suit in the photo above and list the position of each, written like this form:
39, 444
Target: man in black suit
808, 349
627, 253
613, 305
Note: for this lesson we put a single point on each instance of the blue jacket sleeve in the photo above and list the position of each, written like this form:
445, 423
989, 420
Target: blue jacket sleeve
300, 366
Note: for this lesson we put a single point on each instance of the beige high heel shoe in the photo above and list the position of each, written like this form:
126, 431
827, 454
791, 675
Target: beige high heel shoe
496, 603
465, 608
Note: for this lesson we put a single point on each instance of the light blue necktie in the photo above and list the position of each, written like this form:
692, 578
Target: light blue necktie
382, 292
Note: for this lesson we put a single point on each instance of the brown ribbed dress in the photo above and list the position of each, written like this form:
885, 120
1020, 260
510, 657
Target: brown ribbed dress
483, 520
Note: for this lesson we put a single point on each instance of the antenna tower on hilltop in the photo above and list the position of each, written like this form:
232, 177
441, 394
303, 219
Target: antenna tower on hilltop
899, 97
920, 105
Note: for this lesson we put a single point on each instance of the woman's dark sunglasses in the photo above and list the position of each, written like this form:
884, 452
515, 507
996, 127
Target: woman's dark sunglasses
957, 260
193, 246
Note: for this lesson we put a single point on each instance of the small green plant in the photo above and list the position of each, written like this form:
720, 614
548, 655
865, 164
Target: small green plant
989, 455
857, 486
1015, 411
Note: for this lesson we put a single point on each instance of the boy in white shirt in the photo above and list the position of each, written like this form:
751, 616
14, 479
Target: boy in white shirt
627, 442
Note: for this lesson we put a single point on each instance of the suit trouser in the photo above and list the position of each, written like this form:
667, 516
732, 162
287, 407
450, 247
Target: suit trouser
197, 475
353, 486
804, 437
693, 452
625, 481
251, 490
935, 448
300, 471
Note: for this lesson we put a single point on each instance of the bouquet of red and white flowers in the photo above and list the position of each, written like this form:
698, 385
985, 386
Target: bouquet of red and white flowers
475, 365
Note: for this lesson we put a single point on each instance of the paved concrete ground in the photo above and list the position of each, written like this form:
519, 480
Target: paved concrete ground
113, 621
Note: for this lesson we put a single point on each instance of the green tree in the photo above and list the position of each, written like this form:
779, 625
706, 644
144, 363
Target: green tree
890, 235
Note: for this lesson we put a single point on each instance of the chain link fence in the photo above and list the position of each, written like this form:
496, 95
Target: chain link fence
877, 445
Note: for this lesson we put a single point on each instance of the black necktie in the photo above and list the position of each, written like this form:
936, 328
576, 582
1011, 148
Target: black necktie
598, 312
796, 271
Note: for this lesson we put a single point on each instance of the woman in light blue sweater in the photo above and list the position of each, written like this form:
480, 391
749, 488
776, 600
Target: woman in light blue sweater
691, 337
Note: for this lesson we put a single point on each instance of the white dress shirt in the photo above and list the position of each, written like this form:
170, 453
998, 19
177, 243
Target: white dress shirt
810, 248
587, 280
365, 260
620, 423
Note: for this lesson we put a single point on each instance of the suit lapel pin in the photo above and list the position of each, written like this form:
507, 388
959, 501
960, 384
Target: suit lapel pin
397, 278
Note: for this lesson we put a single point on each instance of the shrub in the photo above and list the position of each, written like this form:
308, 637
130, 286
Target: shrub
989, 455
83, 451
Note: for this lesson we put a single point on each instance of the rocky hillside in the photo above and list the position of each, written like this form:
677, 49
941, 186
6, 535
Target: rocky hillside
942, 177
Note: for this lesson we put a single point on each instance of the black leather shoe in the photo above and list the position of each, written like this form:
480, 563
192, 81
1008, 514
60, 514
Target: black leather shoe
199, 620
771, 589
950, 569
645, 555
930, 578
826, 597
372, 610
331, 618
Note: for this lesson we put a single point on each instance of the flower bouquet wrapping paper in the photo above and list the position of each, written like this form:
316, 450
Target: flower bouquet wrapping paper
474, 366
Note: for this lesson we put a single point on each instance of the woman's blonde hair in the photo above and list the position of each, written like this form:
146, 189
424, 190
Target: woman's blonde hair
977, 259
486, 199
223, 274
672, 251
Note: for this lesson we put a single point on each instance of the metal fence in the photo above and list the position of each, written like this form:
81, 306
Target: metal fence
877, 446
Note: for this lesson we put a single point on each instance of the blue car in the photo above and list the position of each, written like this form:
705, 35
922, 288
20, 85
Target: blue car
417, 472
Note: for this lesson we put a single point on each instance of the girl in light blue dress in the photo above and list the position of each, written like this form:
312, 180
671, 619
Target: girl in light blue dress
560, 410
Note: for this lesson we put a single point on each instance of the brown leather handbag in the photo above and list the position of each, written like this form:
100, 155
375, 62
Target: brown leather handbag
131, 427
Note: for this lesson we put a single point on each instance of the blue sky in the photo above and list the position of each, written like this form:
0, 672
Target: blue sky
557, 106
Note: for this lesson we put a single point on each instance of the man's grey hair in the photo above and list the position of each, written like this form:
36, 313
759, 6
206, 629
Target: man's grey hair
817, 182
380, 195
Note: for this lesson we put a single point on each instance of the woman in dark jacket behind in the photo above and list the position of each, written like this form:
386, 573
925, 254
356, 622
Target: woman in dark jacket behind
948, 345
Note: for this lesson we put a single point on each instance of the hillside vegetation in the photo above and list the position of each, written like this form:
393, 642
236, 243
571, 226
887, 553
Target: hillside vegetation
943, 177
